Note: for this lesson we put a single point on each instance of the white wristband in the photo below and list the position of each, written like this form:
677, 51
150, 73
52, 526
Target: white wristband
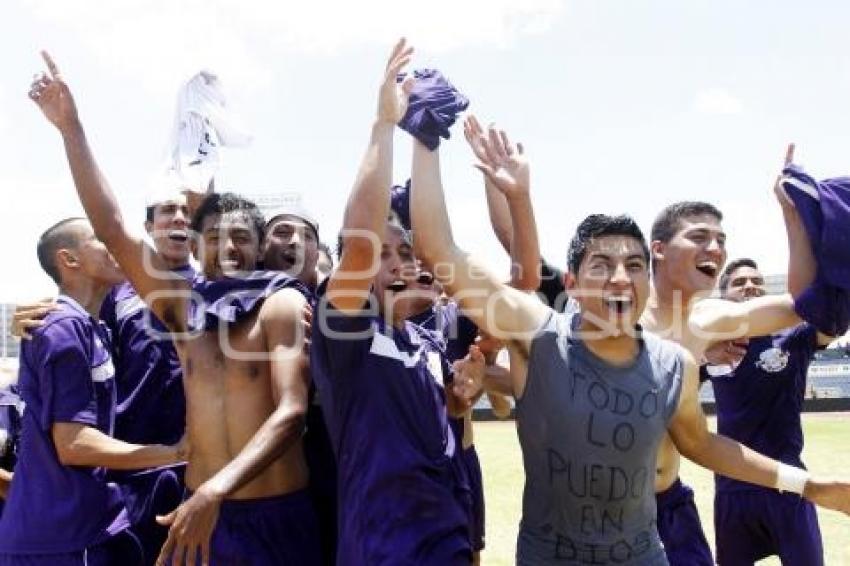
789, 478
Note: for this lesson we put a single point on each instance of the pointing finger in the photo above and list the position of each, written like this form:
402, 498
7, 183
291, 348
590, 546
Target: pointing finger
51, 66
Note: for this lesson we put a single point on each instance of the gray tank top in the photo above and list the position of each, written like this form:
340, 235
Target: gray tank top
589, 433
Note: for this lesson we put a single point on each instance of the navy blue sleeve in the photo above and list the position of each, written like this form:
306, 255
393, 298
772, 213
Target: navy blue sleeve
459, 331
340, 340
803, 340
64, 374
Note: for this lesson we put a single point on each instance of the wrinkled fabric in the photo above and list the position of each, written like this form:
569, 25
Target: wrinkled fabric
433, 108
202, 125
229, 299
824, 208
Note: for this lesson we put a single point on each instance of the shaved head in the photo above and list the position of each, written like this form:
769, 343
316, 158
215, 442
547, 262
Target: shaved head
65, 234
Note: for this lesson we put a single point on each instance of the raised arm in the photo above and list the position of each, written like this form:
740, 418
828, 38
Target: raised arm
499, 310
722, 455
368, 205
802, 265
192, 523
143, 267
508, 202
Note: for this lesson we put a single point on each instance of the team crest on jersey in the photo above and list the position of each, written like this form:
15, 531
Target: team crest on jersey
773, 360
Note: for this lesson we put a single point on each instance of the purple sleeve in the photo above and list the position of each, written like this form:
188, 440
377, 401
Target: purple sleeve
825, 306
65, 382
341, 339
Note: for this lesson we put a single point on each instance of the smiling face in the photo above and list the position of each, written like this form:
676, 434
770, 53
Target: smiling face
612, 283
169, 230
395, 274
692, 259
745, 283
229, 244
292, 246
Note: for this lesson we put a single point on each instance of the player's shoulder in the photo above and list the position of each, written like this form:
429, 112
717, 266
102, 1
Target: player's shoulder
63, 329
668, 354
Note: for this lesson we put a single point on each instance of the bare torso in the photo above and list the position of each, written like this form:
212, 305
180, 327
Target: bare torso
228, 398
670, 326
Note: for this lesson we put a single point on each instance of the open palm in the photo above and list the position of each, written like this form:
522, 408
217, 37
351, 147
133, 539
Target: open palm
502, 162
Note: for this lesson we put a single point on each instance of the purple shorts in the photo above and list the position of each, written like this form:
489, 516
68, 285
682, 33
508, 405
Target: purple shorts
680, 529
754, 523
267, 531
476, 486
122, 548
146, 495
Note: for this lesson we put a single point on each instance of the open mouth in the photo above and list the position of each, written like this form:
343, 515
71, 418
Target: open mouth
708, 268
180, 236
397, 286
229, 265
425, 278
620, 305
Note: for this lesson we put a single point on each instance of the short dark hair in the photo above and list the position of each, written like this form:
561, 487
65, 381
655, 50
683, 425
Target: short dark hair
149, 212
598, 225
326, 249
57, 237
221, 203
667, 222
407, 235
732, 267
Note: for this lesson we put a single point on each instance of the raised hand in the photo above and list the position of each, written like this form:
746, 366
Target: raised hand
783, 198
502, 162
393, 97
53, 96
469, 376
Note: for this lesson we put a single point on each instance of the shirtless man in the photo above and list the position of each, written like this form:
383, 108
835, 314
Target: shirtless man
245, 377
688, 247
590, 440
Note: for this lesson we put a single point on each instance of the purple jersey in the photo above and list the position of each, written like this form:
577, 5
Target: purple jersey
384, 403
66, 376
151, 402
759, 402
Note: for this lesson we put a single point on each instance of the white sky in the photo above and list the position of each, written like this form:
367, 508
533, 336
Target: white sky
623, 105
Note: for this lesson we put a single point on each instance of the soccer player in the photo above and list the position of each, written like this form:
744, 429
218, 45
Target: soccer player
759, 402
151, 406
291, 245
595, 395
381, 379
244, 371
61, 509
688, 252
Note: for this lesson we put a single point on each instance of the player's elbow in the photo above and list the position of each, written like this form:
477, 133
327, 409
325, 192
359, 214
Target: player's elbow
72, 453
71, 448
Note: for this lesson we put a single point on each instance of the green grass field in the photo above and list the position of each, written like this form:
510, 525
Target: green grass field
827, 449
